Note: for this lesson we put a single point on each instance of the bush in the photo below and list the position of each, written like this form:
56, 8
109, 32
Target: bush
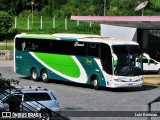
6, 22
7, 82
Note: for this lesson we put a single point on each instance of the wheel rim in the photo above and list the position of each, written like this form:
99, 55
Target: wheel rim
44, 76
95, 82
45, 116
34, 75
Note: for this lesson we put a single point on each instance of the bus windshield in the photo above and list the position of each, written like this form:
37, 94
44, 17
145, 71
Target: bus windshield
127, 55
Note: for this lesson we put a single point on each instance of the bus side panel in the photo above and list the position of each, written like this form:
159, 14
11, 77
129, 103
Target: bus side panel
18, 61
69, 68
92, 67
65, 65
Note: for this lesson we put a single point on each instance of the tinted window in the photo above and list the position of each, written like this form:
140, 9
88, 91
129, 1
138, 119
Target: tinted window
145, 61
36, 96
27, 44
52, 46
93, 49
152, 61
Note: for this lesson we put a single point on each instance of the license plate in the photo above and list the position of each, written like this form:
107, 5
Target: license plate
130, 84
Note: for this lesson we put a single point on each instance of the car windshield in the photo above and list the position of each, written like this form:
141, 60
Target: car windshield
127, 55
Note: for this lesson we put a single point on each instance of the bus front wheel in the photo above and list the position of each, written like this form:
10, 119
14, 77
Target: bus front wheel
95, 83
34, 74
44, 76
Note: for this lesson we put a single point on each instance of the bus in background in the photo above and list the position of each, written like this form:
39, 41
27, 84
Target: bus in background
87, 59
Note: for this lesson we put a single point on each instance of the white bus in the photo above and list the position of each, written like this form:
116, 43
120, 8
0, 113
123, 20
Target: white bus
87, 59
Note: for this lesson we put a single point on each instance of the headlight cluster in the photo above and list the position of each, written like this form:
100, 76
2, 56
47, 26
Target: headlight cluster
119, 80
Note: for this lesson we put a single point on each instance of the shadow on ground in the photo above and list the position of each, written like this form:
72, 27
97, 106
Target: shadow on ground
134, 89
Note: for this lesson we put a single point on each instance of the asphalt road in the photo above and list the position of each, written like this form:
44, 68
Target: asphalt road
76, 97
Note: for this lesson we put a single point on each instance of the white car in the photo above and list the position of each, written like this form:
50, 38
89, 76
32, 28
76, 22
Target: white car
30, 99
154, 65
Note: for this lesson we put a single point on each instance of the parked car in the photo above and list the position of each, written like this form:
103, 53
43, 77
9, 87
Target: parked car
154, 65
32, 99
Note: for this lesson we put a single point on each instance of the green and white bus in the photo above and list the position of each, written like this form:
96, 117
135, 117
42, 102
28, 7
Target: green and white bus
87, 59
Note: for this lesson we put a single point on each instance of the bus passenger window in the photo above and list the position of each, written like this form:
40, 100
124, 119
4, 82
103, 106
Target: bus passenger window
93, 50
23, 46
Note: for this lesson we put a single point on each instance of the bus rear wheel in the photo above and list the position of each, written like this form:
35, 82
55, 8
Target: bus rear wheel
95, 83
44, 76
34, 74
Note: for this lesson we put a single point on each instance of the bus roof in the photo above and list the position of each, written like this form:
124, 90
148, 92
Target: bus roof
80, 37
94, 38
110, 41
77, 36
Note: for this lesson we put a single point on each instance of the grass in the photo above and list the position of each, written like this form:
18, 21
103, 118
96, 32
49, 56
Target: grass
3, 47
47, 26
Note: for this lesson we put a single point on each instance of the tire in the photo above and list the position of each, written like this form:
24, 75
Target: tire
46, 114
34, 74
95, 83
44, 76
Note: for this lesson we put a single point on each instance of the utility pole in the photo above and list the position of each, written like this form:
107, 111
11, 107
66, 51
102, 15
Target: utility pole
32, 3
104, 12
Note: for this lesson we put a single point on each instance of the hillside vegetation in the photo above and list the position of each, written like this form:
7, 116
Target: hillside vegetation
62, 8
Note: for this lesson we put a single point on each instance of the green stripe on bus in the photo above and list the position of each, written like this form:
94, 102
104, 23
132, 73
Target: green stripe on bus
61, 63
40, 37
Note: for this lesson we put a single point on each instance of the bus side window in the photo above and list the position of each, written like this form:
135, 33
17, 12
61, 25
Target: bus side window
23, 46
93, 50
106, 58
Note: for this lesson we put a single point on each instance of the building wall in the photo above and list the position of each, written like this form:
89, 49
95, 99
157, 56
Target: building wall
119, 32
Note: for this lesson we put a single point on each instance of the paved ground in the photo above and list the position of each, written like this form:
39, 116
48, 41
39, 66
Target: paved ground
76, 97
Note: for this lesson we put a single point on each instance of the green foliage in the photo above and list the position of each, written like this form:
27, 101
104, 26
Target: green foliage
99, 6
7, 82
62, 8
124, 7
84, 27
3, 47
6, 22
155, 5
76, 7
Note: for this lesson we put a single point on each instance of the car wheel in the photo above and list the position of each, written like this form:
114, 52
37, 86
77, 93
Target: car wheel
34, 74
95, 83
44, 76
46, 114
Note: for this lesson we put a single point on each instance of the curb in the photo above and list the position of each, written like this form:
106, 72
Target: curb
151, 79
151, 76
151, 82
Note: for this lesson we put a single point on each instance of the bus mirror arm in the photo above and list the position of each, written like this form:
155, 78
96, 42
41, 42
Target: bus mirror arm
148, 57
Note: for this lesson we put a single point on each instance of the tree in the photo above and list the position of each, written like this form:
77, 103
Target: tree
6, 22
99, 5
